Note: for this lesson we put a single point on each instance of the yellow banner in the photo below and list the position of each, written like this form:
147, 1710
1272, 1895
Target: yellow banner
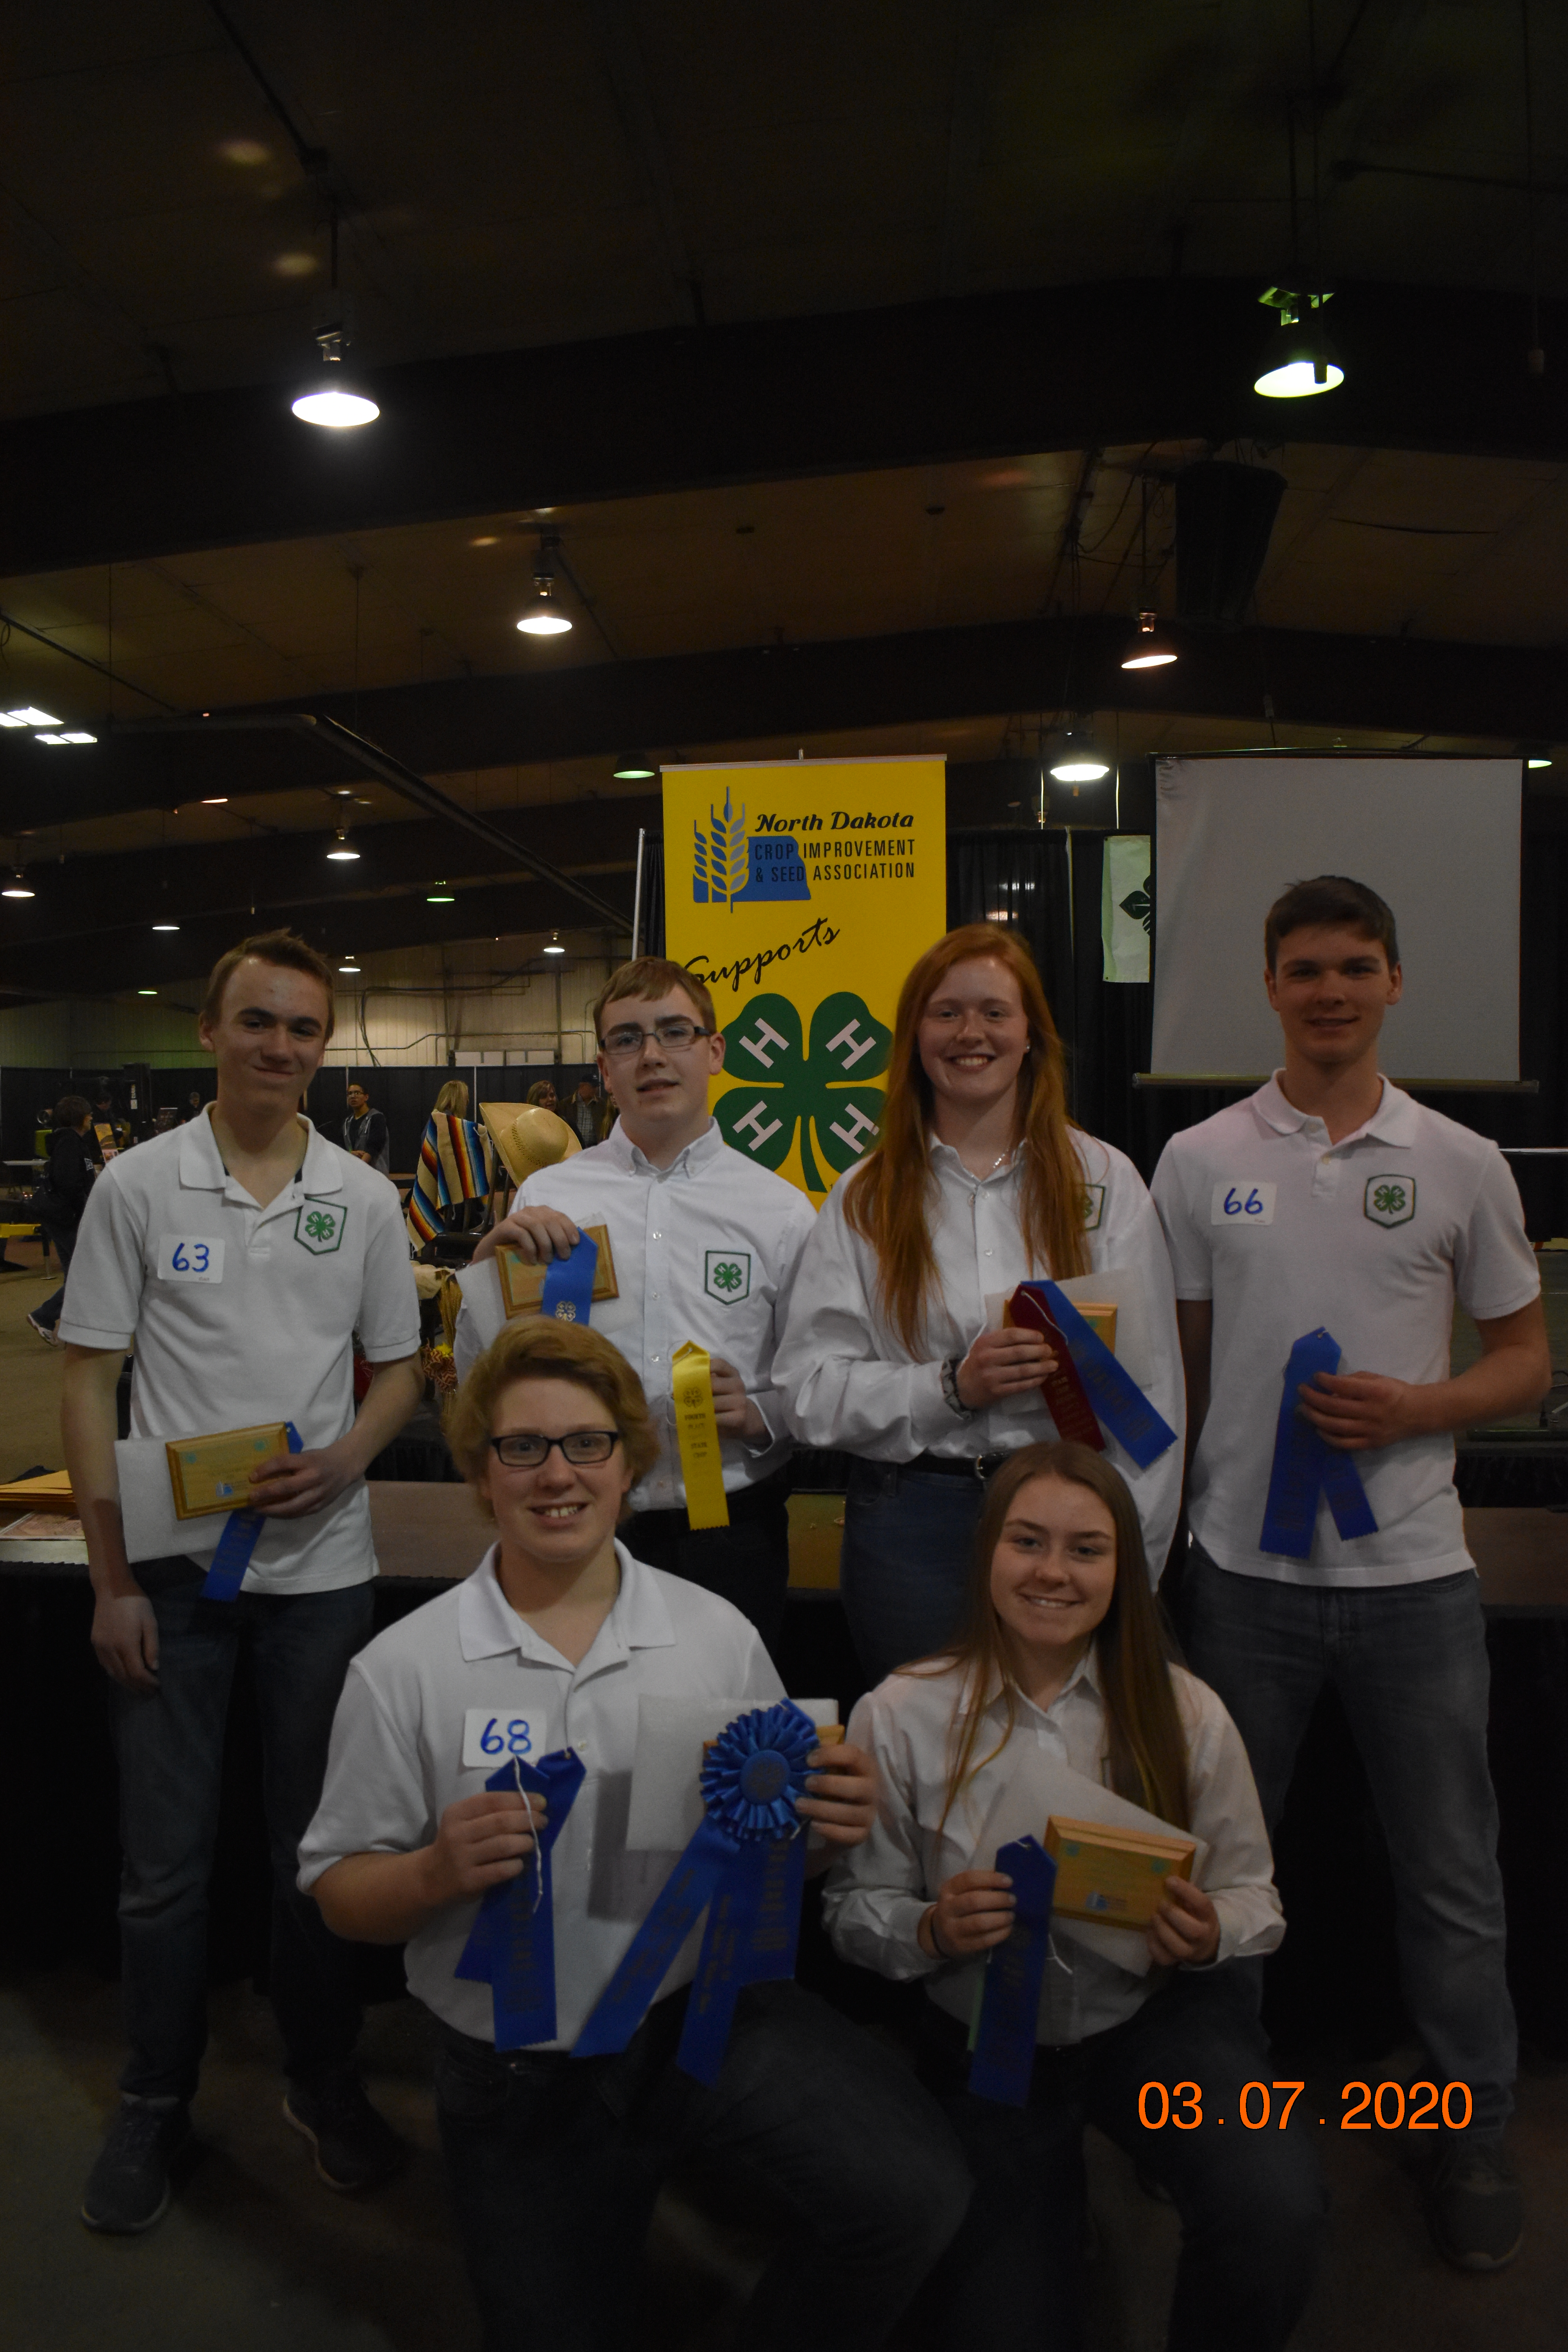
801, 891
697, 1431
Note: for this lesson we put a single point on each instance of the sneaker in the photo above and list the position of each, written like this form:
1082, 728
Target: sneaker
355, 2148
50, 1337
1474, 2206
129, 2188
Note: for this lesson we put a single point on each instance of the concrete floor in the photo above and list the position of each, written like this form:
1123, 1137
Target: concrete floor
257, 2256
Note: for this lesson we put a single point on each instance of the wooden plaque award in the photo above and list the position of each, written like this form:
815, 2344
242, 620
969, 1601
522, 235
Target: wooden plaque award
213, 1474
1111, 1877
522, 1285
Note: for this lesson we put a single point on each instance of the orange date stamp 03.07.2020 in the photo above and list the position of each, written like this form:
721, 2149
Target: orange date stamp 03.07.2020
1388, 2106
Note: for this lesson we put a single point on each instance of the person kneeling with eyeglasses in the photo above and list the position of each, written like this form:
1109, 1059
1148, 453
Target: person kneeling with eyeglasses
554, 2161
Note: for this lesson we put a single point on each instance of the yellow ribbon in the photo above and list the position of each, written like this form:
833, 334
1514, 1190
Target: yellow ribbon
701, 1462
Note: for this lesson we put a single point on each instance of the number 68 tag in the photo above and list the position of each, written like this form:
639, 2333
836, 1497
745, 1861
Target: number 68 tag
1242, 1203
492, 1736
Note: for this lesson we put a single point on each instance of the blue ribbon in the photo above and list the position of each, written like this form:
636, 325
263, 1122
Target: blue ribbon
1004, 2061
1119, 1404
746, 1864
241, 1534
568, 1291
1305, 1462
511, 1945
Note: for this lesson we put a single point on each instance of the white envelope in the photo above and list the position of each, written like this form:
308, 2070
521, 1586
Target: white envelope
666, 1795
1120, 1287
153, 1529
1038, 1786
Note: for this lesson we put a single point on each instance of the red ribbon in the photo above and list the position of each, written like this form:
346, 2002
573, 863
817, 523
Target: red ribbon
1063, 1389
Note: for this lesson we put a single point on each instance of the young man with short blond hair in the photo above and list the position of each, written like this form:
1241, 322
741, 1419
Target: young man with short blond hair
241, 1255
705, 1246
1329, 1199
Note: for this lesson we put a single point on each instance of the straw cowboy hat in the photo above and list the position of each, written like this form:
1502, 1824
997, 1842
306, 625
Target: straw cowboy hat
528, 1137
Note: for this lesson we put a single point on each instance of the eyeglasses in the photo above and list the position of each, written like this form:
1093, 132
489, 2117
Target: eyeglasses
528, 1451
677, 1037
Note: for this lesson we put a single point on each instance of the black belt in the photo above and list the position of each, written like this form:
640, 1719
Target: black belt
957, 1466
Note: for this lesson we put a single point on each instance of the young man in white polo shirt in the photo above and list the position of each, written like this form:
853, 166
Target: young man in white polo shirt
705, 1246
240, 1254
1330, 1200
554, 2159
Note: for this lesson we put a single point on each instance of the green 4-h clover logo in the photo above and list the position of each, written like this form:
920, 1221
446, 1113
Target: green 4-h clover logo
780, 1086
320, 1229
727, 1275
1390, 1200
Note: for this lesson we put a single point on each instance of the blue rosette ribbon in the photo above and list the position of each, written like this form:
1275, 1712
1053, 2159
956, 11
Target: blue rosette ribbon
568, 1292
1003, 2060
746, 1866
1118, 1404
1305, 1462
241, 1534
511, 1945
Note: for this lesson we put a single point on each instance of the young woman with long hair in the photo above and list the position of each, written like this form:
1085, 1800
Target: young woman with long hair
893, 1348
1062, 1664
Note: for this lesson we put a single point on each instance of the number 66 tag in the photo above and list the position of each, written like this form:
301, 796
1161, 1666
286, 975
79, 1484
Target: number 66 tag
493, 1736
1242, 1203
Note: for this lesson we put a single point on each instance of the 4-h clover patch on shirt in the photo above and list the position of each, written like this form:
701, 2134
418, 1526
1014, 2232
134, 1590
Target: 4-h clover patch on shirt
242, 1314
1374, 1238
705, 1250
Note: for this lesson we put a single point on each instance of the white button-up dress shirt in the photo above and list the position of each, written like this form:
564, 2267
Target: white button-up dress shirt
852, 1381
1372, 1238
396, 1762
877, 1894
705, 1251
243, 1315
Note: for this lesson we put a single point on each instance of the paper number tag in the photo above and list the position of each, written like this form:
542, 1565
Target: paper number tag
195, 1260
1242, 1203
492, 1735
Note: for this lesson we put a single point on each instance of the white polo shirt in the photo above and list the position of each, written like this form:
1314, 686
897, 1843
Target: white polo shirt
242, 1314
705, 1251
1372, 1238
852, 1383
396, 1762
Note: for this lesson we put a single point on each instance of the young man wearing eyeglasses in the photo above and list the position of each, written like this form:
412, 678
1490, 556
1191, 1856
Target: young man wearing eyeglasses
705, 1246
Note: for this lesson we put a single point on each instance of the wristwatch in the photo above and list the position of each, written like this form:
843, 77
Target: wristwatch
951, 1397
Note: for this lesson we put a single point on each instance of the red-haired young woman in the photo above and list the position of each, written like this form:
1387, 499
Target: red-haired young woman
893, 1348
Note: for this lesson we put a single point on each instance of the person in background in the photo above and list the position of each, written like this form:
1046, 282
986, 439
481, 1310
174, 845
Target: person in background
105, 1115
62, 1197
242, 1255
1062, 1667
42, 1132
364, 1131
543, 1094
193, 1106
586, 1112
705, 1244
554, 2161
894, 1348
1330, 1201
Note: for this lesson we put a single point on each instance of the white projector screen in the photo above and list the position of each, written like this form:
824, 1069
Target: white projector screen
1437, 838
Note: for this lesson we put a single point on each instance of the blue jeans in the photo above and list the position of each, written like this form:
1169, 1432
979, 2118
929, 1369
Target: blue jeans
904, 1569
169, 1746
554, 2163
64, 1240
1409, 1663
1251, 2203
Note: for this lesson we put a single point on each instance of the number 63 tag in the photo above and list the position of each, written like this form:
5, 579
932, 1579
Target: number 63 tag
1242, 1203
493, 1735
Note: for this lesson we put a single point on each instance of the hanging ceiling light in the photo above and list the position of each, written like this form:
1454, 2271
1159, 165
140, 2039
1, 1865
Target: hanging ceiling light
18, 887
339, 852
1302, 361
543, 619
440, 896
27, 715
554, 945
165, 926
1077, 761
70, 735
630, 772
333, 398
348, 967
1150, 647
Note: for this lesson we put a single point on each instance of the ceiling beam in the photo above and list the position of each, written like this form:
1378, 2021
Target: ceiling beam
1415, 686
688, 408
